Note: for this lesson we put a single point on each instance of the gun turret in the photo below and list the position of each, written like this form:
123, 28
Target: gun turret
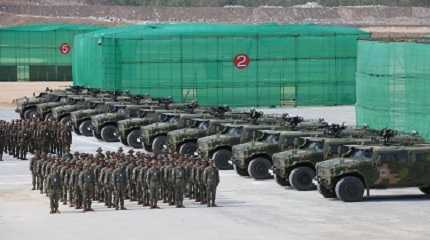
334, 130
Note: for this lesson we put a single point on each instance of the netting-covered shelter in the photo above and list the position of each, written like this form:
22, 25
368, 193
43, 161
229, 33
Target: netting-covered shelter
38, 52
238, 65
393, 83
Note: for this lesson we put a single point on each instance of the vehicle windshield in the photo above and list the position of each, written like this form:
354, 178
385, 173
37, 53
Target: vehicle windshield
359, 153
203, 125
235, 131
272, 138
315, 146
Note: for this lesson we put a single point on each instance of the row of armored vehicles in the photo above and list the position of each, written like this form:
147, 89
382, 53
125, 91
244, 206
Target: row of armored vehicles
340, 162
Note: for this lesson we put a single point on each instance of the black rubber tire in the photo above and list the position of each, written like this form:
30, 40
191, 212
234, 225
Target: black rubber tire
133, 139
325, 192
85, 128
221, 158
30, 114
66, 121
241, 171
109, 133
301, 179
350, 189
258, 168
49, 117
159, 145
425, 190
281, 180
188, 148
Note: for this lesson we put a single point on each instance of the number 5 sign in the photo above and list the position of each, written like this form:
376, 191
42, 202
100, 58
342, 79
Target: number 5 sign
241, 61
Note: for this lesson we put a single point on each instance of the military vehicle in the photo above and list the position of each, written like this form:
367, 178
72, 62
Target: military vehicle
44, 110
297, 167
62, 113
129, 129
26, 107
105, 125
218, 147
154, 136
255, 158
374, 167
184, 141
81, 119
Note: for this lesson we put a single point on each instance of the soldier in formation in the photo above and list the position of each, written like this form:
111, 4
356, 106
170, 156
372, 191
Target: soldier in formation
19, 137
113, 177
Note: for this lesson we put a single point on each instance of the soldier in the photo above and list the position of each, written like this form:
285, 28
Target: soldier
77, 194
54, 188
179, 176
33, 169
64, 173
200, 182
99, 153
87, 182
119, 182
2, 138
138, 182
107, 185
153, 179
142, 176
211, 180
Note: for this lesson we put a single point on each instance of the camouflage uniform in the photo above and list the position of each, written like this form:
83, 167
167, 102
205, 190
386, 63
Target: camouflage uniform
211, 181
153, 179
119, 182
179, 176
87, 182
54, 187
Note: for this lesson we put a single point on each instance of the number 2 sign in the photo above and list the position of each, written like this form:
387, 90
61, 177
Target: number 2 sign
241, 61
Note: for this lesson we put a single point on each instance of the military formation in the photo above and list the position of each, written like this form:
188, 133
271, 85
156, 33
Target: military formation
183, 139
113, 177
20, 137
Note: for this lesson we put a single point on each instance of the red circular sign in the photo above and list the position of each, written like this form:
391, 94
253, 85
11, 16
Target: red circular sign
65, 48
241, 61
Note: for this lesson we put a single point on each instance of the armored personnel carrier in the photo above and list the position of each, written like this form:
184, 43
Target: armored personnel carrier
129, 129
374, 167
26, 106
184, 141
297, 167
81, 119
105, 125
44, 110
255, 158
218, 147
62, 113
155, 135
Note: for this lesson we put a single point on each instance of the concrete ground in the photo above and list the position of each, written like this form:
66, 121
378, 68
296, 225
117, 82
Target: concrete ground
248, 210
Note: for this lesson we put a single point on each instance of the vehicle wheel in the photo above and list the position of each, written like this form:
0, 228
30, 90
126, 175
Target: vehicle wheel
240, 171
325, 192
109, 133
30, 114
188, 148
281, 180
66, 121
133, 139
85, 128
425, 190
159, 145
301, 179
221, 158
49, 117
350, 189
259, 167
